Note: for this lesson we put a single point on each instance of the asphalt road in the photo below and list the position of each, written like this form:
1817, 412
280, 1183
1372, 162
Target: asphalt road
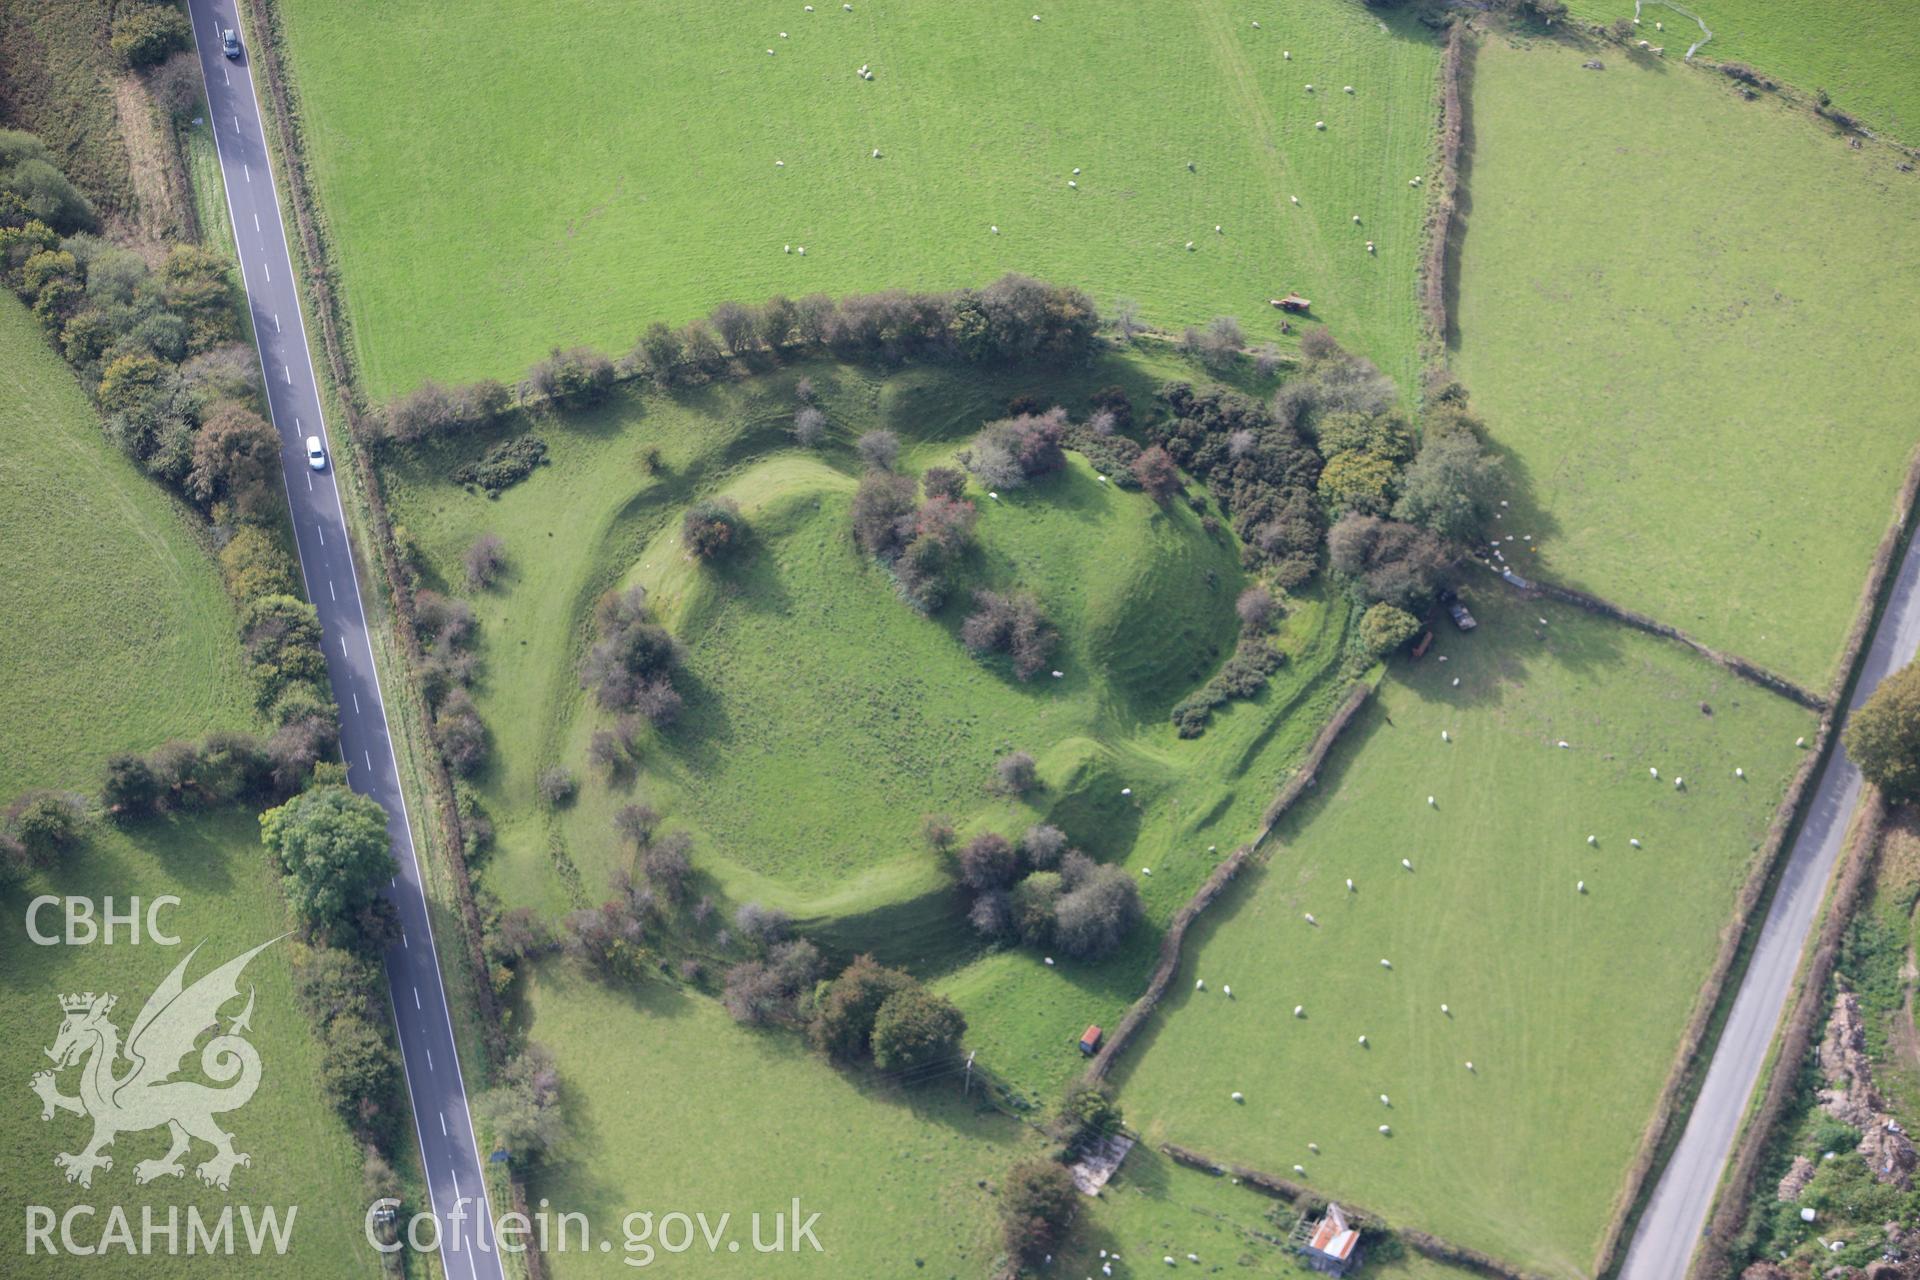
449, 1152
1676, 1216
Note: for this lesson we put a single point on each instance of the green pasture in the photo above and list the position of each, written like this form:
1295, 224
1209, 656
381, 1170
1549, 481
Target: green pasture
1860, 51
1688, 321
624, 169
304, 1162
1569, 1004
118, 635
673, 1107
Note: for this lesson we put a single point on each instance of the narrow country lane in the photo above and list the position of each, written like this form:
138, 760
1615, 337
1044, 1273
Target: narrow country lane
1675, 1217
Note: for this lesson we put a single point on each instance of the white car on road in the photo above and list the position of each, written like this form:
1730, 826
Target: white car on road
316, 454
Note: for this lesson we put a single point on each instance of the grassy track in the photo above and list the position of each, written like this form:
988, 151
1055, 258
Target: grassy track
120, 636
1688, 318
1860, 51
302, 1155
625, 169
1550, 990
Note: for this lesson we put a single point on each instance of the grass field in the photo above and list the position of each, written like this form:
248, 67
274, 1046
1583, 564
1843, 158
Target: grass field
1690, 330
1569, 1005
1860, 51
824, 718
676, 1108
624, 170
301, 1154
120, 635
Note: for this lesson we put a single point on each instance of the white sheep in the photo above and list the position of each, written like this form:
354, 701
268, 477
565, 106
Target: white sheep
1286, 55
1309, 88
1238, 1096
1319, 124
1126, 791
1073, 184
1445, 736
1445, 1012
1456, 682
994, 228
1049, 962
1314, 1147
1384, 1101
802, 251
1386, 1130
1310, 919
1385, 963
1432, 803
1350, 888
1407, 864
1652, 772
1146, 871
1363, 1042
876, 153
1370, 248
1543, 621
1256, 26
783, 35
786, 248
1799, 742
1580, 887
993, 495
1217, 231
1299, 1011
1227, 991
1469, 1066
779, 164
1199, 984
1348, 88
1076, 173
1295, 199
1679, 784
1356, 219
1593, 840
1563, 744
1059, 674
1739, 773
1189, 246
1635, 842
1300, 1170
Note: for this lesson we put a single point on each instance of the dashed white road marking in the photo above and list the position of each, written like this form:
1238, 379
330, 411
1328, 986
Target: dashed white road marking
416, 997
330, 594
269, 272
276, 322
247, 169
309, 483
369, 759
236, 124
403, 937
443, 1124
356, 704
343, 646
430, 1067
256, 222
322, 531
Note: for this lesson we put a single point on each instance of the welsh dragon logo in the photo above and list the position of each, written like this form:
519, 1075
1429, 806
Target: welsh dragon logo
145, 1094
